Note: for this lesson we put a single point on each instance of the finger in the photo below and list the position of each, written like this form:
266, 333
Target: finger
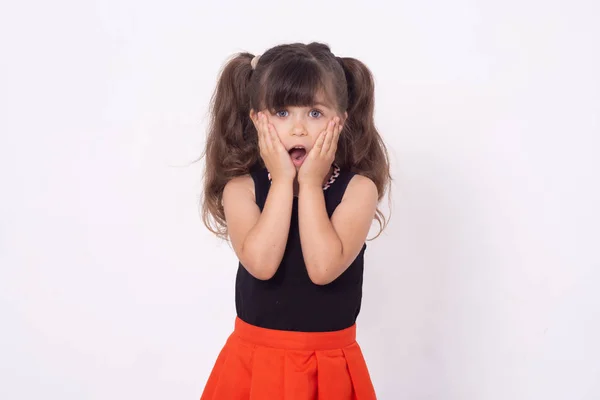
273, 138
336, 137
269, 145
319, 143
328, 138
332, 140
270, 131
266, 134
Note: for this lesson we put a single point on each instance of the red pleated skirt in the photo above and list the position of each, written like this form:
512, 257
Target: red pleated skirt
266, 364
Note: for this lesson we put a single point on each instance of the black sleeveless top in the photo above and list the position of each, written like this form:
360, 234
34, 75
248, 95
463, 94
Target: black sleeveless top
289, 300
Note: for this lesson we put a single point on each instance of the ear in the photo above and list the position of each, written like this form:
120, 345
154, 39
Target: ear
344, 118
254, 117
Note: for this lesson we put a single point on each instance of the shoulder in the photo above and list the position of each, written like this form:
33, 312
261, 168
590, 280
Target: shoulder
239, 186
363, 187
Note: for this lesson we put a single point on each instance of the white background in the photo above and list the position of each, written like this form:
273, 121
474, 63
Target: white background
484, 286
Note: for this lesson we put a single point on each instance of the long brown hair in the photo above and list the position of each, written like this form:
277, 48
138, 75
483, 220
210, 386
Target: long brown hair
288, 75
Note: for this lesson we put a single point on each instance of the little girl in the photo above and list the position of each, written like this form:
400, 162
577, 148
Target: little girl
295, 170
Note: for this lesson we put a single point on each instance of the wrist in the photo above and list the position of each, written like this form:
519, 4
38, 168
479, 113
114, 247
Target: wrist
310, 185
282, 182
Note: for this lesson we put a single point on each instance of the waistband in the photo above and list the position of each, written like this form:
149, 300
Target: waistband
292, 340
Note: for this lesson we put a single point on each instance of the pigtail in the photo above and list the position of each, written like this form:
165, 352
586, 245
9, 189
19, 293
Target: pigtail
361, 145
230, 148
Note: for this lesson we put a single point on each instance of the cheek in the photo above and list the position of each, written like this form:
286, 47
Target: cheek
317, 127
279, 127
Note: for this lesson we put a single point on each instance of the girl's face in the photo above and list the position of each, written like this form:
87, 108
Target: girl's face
301, 126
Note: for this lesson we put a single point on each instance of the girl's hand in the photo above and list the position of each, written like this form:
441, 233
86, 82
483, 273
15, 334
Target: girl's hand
320, 158
276, 158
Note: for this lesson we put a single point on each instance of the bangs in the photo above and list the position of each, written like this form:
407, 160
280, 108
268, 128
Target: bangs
299, 83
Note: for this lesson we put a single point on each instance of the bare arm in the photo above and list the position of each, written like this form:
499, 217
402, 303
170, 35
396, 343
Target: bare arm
258, 239
330, 246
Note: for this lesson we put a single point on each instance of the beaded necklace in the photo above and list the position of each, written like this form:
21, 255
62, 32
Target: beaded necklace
332, 178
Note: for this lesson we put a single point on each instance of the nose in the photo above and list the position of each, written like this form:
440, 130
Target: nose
298, 128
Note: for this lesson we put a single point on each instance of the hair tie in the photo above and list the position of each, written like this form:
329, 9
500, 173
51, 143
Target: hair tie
254, 61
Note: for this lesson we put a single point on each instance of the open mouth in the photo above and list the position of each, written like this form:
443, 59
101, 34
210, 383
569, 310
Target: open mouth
298, 154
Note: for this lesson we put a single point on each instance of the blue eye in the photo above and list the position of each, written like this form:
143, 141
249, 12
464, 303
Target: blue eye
318, 112
278, 113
